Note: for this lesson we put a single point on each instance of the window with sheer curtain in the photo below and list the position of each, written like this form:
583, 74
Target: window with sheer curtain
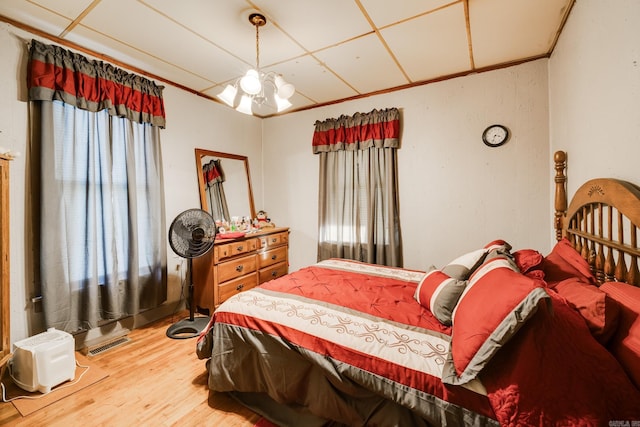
101, 236
358, 214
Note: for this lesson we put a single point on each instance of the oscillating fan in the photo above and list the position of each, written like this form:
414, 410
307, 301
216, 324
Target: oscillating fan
191, 234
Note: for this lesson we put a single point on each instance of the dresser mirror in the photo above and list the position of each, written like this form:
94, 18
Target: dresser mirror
225, 184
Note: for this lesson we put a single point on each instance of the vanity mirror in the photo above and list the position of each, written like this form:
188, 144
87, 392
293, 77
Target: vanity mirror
225, 184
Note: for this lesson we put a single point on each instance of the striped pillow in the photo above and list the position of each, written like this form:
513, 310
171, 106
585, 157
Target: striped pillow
495, 304
463, 266
439, 293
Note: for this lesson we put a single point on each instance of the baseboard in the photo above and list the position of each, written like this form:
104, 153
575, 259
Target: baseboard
116, 329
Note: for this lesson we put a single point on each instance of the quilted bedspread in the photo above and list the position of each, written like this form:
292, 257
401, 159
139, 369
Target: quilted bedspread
347, 342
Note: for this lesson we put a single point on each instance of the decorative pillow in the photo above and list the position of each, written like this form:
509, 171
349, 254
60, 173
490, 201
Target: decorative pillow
439, 293
463, 266
565, 262
497, 301
528, 260
599, 311
625, 343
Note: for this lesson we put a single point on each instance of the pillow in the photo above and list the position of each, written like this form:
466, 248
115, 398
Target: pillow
497, 301
439, 293
625, 343
462, 267
565, 262
528, 260
599, 311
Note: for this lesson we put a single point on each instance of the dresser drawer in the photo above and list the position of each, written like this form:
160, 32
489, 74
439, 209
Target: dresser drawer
228, 250
236, 267
272, 240
273, 272
272, 256
232, 287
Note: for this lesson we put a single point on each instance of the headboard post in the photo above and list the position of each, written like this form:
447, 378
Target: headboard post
560, 160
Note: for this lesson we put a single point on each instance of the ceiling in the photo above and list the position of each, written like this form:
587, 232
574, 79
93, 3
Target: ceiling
331, 50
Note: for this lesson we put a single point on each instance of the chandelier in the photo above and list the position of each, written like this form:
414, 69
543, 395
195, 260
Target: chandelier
258, 92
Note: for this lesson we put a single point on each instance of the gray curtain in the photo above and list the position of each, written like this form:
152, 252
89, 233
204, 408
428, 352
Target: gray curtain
213, 177
100, 222
102, 242
358, 189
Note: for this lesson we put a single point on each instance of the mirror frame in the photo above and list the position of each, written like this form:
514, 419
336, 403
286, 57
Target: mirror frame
200, 153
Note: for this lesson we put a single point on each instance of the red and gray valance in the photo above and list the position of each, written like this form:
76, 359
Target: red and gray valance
378, 128
59, 74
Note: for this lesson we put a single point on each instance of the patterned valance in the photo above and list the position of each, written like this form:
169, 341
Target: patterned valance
58, 74
378, 128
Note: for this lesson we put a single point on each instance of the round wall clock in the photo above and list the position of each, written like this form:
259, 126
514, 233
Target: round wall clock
495, 135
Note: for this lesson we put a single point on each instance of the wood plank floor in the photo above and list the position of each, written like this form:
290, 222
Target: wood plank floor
153, 381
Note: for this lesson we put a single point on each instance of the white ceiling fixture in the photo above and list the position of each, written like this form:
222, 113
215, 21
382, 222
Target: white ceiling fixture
258, 92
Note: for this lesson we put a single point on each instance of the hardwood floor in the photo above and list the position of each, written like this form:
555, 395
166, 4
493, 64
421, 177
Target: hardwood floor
153, 381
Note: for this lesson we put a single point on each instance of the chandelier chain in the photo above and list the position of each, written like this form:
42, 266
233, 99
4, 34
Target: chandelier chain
257, 47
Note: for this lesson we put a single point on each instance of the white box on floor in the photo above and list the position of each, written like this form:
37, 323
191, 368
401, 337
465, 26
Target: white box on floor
43, 361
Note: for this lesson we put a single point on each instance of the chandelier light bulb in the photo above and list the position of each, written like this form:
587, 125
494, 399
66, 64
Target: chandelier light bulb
285, 90
245, 105
250, 83
281, 103
228, 95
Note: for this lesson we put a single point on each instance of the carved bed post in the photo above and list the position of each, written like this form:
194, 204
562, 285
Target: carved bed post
559, 159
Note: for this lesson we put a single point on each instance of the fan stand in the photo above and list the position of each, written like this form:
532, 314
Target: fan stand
192, 326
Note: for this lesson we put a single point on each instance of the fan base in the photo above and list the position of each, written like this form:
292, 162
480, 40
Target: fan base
188, 328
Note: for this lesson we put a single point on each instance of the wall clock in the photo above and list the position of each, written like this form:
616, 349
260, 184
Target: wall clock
495, 135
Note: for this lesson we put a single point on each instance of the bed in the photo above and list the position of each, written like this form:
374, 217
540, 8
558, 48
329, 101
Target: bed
496, 337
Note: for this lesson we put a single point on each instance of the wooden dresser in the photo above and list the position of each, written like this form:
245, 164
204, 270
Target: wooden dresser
235, 265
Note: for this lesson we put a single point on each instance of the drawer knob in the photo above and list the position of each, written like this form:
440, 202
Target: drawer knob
239, 287
274, 240
239, 248
274, 257
274, 273
240, 268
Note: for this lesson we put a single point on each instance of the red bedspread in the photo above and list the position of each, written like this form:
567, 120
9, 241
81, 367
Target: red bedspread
368, 325
555, 373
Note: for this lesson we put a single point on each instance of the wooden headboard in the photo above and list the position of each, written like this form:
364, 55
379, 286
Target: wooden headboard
601, 222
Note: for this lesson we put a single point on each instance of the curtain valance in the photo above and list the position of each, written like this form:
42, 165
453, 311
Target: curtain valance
59, 74
378, 128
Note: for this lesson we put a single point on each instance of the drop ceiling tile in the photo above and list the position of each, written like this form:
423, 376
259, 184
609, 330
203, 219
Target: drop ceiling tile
34, 15
226, 24
502, 31
155, 35
382, 15
70, 9
317, 24
134, 58
354, 60
432, 45
313, 80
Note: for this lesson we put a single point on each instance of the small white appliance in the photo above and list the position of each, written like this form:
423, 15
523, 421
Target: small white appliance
43, 361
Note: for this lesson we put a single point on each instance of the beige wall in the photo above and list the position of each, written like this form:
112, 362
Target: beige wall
594, 87
456, 194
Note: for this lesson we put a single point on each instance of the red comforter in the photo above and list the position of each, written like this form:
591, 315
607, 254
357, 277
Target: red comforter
365, 320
